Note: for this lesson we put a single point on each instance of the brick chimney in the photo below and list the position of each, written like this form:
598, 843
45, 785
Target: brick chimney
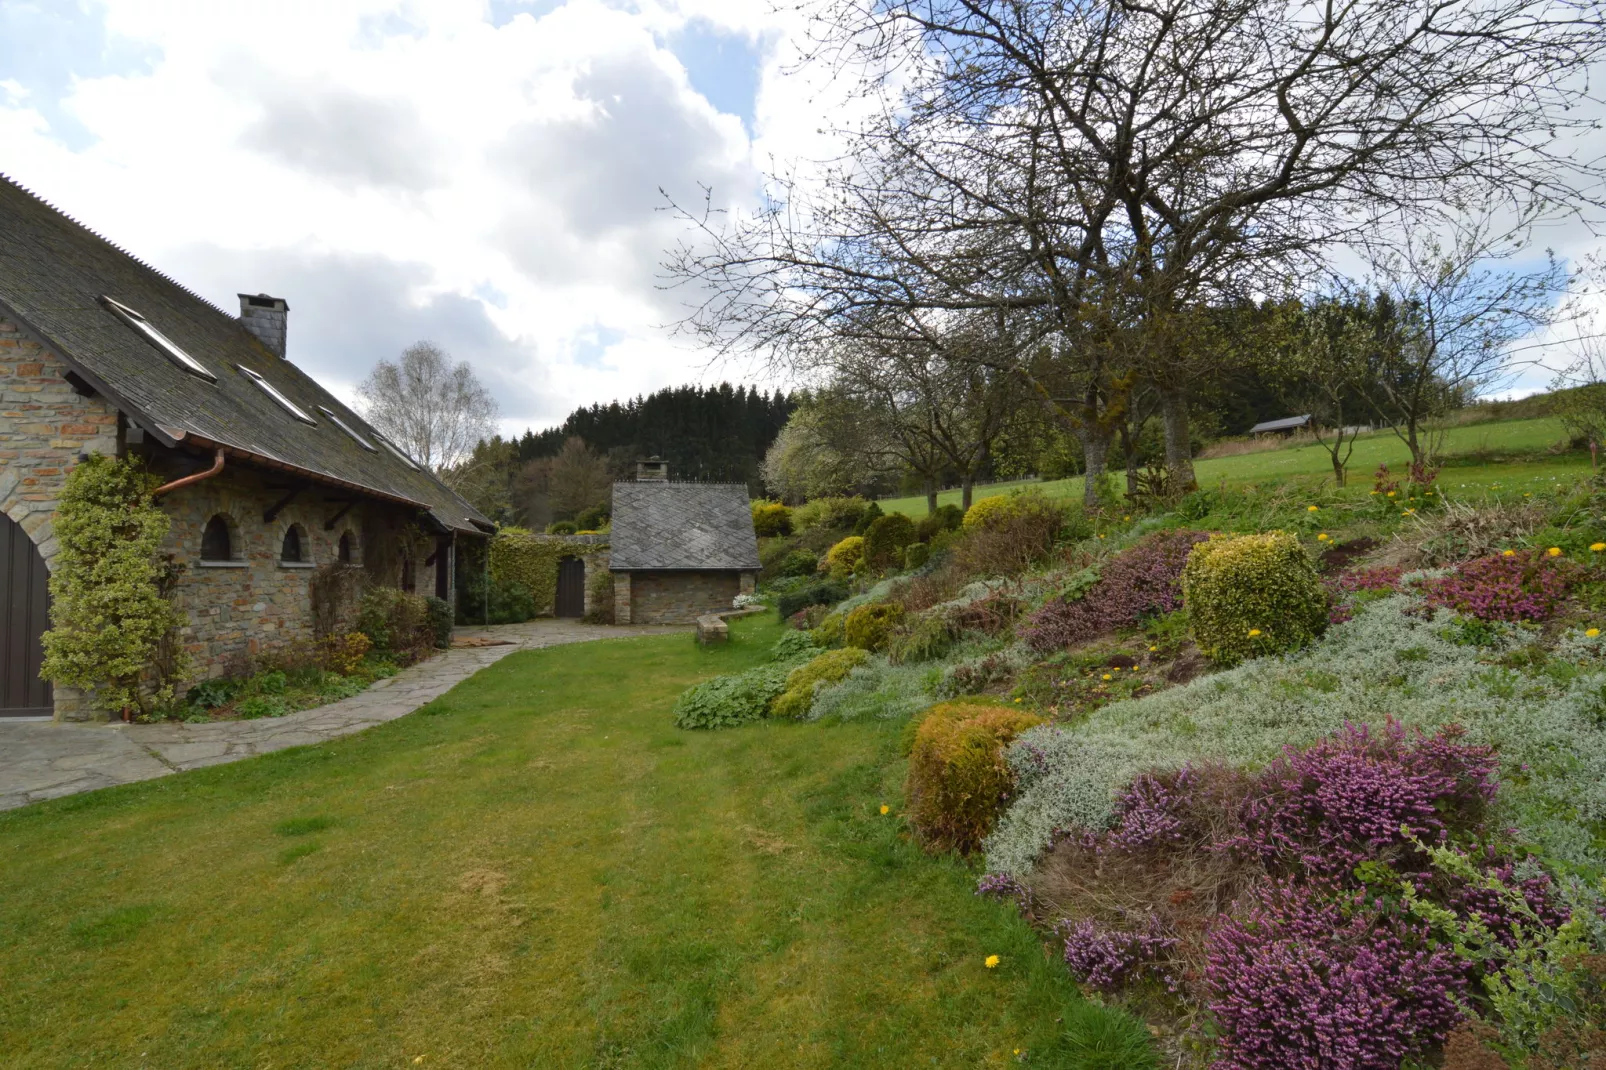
652, 470
266, 318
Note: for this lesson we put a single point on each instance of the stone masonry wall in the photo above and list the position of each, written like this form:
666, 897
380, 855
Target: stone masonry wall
44, 426
679, 597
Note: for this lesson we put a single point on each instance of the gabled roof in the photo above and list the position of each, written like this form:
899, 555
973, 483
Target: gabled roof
1285, 424
659, 524
54, 275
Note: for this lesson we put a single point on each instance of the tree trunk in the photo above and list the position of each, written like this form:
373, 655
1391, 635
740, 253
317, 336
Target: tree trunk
1338, 465
1411, 440
1178, 451
966, 486
1130, 449
931, 495
1095, 455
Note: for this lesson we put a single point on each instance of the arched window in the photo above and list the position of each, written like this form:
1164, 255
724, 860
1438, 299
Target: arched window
216, 542
294, 547
344, 553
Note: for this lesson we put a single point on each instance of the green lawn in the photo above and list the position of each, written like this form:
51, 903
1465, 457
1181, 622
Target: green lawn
536, 870
1511, 453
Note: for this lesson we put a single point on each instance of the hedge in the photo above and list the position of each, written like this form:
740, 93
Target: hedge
531, 560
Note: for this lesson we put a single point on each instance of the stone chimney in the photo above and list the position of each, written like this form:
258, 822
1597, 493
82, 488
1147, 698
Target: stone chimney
652, 470
266, 318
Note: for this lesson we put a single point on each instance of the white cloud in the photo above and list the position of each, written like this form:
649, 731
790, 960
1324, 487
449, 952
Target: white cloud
397, 169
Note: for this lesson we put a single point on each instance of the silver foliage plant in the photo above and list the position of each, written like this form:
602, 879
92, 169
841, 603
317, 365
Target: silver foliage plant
1550, 731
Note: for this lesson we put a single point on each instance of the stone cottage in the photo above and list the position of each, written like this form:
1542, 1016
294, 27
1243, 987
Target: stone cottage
271, 482
679, 550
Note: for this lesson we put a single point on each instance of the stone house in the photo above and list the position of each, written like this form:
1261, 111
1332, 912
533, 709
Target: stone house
679, 550
273, 485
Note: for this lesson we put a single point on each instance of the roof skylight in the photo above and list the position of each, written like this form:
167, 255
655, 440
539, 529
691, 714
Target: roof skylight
158, 339
355, 437
273, 392
392, 447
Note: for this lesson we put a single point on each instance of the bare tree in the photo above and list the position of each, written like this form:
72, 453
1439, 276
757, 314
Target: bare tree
1105, 171
1322, 369
433, 409
1454, 322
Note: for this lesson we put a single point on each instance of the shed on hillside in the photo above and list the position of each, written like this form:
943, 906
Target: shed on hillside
679, 550
1286, 426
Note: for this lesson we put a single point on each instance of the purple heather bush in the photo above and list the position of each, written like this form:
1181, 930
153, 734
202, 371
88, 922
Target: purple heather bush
1311, 978
1106, 958
1379, 578
1522, 586
1143, 580
1539, 891
1326, 808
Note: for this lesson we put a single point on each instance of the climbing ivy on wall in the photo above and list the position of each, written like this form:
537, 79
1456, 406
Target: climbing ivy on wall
522, 557
112, 619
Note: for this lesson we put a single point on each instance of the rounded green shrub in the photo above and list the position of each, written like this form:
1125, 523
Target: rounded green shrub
828, 668
958, 779
561, 527
870, 627
915, 555
946, 518
871, 514
844, 557
833, 514
829, 633
771, 518
984, 511
821, 593
1248, 595
799, 562
886, 539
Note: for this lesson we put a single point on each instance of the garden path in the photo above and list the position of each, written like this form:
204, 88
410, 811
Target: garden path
44, 760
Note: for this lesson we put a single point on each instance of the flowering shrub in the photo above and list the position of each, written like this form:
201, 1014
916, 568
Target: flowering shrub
1328, 807
1105, 958
1378, 578
958, 779
1509, 586
1307, 978
1252, 594
1141, 581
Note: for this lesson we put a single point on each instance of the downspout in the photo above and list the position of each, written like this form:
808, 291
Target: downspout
217, 466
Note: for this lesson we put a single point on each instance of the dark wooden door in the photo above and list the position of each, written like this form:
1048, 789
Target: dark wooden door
571, 588
24, 616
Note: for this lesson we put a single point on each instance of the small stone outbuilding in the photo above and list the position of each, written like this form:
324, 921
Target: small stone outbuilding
679, 550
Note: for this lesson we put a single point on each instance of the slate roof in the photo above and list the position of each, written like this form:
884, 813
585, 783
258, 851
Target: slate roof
668, 525
53, 274
1287, 423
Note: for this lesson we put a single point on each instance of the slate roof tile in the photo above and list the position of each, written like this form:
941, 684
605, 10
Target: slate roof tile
669, 525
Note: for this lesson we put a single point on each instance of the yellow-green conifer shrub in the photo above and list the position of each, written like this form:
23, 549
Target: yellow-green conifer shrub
985, 510
1248, 595
870, 627
844, 557
957, 774
829, 633
828, 668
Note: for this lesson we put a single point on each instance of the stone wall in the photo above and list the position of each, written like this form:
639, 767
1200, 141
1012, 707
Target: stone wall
673, 597
44, 426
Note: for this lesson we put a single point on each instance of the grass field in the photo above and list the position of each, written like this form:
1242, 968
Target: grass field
535, 870
1513, 454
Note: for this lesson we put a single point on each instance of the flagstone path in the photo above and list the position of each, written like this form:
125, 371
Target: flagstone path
45, 760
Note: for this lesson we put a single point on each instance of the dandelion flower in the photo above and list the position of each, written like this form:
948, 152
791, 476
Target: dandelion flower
1554, 551
1126, 518
1592, 632
1312, 508
1017, 700
1152, 649
991, 962
1508, 553
1391, 494
1374, 492
1322, 537
1597, 547
885, 809
1410, 512
1254, 633
1107, 676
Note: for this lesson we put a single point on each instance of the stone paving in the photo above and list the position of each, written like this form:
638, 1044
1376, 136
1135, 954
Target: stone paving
44, 760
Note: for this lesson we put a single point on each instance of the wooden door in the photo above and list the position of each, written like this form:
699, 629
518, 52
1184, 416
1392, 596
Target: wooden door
571, 601
24, 616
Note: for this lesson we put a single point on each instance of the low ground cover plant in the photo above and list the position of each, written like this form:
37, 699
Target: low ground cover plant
297, 677
827, 668
1141, 581
742, 698
1509, 586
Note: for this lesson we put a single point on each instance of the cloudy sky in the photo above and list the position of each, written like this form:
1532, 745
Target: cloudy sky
483, 173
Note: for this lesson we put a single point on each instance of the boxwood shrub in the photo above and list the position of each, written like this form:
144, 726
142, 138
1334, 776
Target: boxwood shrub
1252, 594
843, 558
885, 540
